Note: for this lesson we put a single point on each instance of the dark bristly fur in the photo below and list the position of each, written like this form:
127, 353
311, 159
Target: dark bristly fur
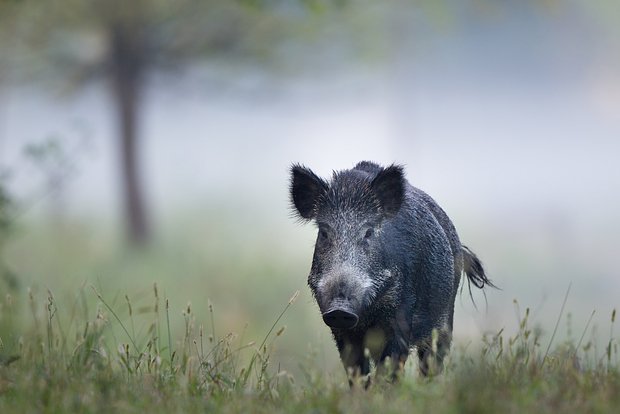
386, 267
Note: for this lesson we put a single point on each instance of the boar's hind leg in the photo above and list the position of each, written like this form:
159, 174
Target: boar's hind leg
431, 359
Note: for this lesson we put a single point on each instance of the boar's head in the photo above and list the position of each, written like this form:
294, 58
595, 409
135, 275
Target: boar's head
350, 267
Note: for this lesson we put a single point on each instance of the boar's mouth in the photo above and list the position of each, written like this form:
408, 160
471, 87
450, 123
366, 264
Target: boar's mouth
341, 316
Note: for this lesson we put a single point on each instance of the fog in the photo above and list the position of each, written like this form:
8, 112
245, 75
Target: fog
512, 125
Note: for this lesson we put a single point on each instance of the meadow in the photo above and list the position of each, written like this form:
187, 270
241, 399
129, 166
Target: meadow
222, 326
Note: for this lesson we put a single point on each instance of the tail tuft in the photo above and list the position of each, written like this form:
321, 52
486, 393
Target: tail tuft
474, 271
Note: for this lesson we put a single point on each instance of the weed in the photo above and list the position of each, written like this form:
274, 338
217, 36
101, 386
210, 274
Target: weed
109, 361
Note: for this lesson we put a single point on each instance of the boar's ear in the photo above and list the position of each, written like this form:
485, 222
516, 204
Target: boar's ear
389, 188
306, 188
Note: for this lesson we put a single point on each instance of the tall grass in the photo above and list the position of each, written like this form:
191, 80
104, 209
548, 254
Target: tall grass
75, 358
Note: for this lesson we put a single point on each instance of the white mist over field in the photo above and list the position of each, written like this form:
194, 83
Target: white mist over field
518, 140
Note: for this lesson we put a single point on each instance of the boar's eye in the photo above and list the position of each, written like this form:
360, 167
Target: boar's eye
323, 235
369, 233
326, 234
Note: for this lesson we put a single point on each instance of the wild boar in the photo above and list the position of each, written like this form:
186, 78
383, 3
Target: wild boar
387, 265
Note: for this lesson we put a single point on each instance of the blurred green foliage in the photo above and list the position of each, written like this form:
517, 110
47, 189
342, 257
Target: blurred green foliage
8, 281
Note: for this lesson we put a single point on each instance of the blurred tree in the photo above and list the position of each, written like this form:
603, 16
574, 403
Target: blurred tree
124, 42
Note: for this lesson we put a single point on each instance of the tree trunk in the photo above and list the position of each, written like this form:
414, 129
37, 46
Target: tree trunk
127, 76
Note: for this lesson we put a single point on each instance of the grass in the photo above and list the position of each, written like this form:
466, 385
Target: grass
77, 358
94, 333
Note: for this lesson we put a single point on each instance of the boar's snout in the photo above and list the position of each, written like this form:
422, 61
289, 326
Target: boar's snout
340, 316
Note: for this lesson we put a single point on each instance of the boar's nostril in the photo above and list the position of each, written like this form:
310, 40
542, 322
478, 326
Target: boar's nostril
340, 318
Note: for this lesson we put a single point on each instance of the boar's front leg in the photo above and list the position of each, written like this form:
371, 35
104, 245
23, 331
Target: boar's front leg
352, 355
392, 361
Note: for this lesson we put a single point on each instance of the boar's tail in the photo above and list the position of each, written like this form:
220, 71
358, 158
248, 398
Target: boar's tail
474, 271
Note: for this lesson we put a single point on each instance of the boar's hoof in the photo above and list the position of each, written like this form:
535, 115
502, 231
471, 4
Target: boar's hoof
340, 318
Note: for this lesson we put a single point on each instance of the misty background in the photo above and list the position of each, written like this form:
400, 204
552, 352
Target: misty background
507, 114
